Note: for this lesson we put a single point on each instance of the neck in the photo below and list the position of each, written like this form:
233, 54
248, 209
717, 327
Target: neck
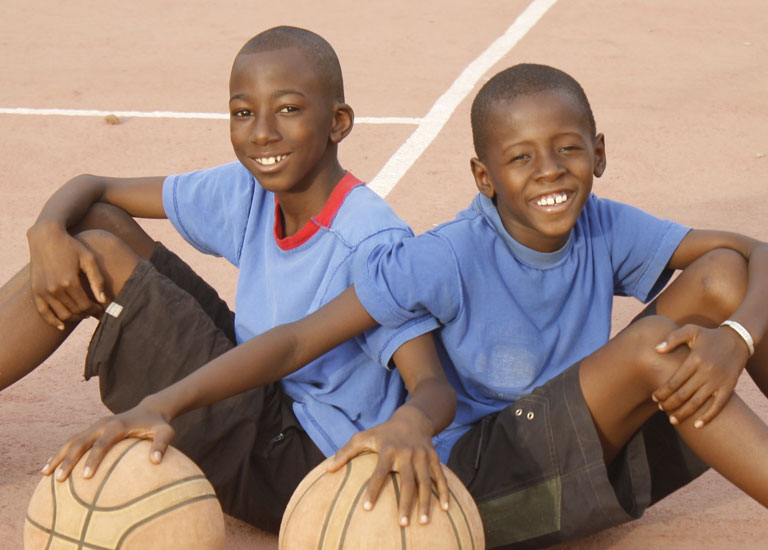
298, 207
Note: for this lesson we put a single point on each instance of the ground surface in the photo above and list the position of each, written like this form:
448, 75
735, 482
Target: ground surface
678, 89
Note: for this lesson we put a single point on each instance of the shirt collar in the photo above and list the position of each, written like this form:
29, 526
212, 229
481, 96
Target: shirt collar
527, 256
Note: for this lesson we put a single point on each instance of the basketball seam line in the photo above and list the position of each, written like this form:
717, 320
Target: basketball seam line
347, 472
353, 509
157, 515
54, 534
137, 499
100, 489
397, 499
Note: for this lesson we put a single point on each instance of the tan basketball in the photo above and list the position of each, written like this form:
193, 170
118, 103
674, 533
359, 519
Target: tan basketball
129, 504
325, 513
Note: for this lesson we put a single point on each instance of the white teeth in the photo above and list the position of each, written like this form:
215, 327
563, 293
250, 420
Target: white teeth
267, 161
552, 200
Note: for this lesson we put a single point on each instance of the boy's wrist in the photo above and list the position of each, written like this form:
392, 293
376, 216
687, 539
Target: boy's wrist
745, 335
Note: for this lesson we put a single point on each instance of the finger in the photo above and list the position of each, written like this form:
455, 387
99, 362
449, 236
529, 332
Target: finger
353, 448
438, 476
47, 314
378, 478
61, 311
424, 486
691, 405
674, 339
407, 493
719, 399
95, 279
673, 404
163, 438
681, 375
72, 452
98, 451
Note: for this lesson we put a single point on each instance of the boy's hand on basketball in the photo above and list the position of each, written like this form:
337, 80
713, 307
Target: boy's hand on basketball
706, 379
142, 421
57, 263
404, 445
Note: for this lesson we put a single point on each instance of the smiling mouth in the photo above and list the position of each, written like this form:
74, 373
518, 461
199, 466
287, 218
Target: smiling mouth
553, 199
269, 161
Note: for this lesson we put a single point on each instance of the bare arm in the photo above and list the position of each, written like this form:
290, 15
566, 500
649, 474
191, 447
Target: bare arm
718, 355
263, 359
404, 442
57, 260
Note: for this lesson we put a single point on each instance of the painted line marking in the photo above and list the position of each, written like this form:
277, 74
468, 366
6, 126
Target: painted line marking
174, 114
431, 125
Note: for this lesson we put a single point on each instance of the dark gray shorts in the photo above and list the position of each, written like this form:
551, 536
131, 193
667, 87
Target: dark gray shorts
537, 473
165, 323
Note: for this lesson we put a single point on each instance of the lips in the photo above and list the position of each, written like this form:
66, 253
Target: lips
269, 163
554, 201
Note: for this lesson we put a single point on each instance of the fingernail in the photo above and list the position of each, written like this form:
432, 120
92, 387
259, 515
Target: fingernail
424, 519
661, 407
654, 398
661, 345
59, 474
445, 506
673, 421
102, 297
156, 456
367, 505
404, 521
60, 327
698, 424
87, 471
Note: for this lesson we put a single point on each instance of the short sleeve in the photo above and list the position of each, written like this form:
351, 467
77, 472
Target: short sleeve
211, 208
641, 246
409, 280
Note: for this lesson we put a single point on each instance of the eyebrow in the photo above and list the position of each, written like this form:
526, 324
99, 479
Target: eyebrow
276, 94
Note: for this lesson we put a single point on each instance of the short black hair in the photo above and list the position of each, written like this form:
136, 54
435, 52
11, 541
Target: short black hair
518, 80
314, 46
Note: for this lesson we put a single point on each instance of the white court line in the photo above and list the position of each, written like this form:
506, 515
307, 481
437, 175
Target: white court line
174, 114
431, 125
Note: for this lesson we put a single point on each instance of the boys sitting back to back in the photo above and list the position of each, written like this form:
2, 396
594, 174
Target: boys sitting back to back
290, 218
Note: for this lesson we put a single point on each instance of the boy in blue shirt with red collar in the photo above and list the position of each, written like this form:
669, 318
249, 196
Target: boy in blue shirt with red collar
558, 431
292, 220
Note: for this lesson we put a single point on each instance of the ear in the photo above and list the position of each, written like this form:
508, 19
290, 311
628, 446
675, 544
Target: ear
600, 160
343, 120
482, 177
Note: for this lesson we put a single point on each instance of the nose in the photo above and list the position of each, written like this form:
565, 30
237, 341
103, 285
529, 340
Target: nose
264, 130
549, 167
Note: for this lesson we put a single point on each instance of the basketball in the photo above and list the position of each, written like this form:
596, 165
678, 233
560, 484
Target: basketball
325, 512
128, 504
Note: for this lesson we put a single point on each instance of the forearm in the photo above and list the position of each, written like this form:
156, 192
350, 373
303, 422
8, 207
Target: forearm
753, 311
140, 197
267, 357
431, 407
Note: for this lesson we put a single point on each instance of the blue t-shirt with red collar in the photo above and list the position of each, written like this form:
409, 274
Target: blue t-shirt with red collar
511, 318
224, 211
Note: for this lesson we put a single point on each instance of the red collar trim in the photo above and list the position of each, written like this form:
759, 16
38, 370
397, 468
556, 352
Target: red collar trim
323, 219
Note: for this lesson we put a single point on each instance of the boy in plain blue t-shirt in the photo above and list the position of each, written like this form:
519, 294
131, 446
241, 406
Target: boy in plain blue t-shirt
292, 220
557, 431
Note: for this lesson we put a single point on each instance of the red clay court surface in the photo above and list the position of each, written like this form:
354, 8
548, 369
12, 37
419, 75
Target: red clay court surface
678, 89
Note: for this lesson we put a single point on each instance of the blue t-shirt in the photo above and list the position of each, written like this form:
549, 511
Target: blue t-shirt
224, 211
511, 318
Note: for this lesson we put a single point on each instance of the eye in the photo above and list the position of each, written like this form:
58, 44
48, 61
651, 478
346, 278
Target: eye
520, 158
288, 109
241, 113
570, 149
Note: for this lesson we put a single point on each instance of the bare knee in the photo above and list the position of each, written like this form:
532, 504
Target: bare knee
651, 368
720, 277
105, 217
116, 260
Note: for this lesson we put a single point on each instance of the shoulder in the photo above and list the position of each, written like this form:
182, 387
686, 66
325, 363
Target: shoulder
364, 215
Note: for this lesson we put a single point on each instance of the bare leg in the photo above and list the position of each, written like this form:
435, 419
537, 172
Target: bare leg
618, 379
26, 340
